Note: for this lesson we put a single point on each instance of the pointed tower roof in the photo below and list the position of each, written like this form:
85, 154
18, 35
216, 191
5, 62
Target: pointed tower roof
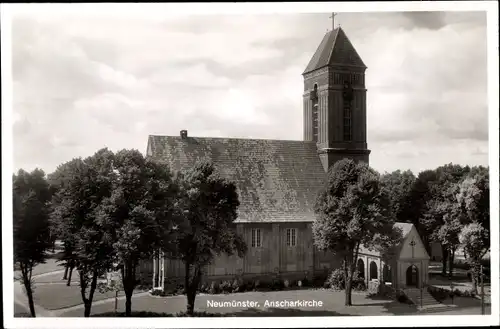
335, 48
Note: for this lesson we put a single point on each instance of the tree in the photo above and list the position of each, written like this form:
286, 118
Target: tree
474, 237
208, 206
438, 203
473, 204
352, 210
61, 219
398, 186
83, 186
450, 227
31, 225
137, 216
420, 196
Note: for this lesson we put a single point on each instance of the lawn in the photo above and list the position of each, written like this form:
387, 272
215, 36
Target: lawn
55, 278
56, 296
333, 304
20, 311
50, 265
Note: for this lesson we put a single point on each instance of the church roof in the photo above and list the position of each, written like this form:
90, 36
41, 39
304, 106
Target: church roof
277, 180
335, 48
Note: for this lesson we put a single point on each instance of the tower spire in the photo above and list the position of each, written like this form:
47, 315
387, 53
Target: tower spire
333, 20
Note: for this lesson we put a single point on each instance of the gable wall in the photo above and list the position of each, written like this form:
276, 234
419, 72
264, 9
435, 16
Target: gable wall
419, 251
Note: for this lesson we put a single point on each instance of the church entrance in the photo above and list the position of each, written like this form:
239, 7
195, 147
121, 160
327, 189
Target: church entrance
412, 276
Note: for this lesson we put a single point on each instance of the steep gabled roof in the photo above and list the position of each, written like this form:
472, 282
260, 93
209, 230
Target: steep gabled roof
277, 180
335, 48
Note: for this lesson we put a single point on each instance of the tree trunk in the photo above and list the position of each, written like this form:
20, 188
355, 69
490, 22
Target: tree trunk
191, 290
348, 283
88, 307
71, 266
452, 260
187, 273
87, 302
65, 276
26, 275
128, 302
444, 261
475, 275
191, 296
128, 286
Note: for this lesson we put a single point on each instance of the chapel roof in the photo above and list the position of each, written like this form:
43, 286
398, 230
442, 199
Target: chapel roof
405, 228
335, 49
277, 180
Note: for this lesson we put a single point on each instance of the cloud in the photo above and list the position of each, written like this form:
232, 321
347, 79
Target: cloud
84, 83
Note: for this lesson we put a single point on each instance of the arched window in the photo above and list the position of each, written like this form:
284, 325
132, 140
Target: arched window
361, 268
373, 271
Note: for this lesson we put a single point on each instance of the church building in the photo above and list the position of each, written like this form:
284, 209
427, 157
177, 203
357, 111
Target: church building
278, 180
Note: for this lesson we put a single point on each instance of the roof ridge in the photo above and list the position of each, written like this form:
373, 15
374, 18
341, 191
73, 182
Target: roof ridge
240, 138
337, 30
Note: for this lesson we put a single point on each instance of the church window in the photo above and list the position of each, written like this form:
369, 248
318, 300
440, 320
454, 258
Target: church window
256, 238
291, 237
347, 124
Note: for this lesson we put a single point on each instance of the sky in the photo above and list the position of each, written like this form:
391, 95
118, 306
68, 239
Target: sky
82, 83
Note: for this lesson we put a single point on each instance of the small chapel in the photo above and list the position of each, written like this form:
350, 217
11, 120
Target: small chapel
278, 181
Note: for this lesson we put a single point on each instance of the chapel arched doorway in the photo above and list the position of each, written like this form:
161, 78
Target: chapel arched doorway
412, 276
387, 273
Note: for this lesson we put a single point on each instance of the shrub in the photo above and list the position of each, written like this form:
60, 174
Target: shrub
306, 282
226, 287
358, 283
403, 299
264, 285
214, 288
438, 293
319, 279
336, 280
277, 284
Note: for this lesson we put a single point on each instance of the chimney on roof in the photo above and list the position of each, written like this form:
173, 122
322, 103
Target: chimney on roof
184, 134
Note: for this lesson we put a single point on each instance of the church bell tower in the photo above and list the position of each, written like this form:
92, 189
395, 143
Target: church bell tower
335, 100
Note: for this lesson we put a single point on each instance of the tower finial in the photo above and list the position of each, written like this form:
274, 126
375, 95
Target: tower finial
333, 20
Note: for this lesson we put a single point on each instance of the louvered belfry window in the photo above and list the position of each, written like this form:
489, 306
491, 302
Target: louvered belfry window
347, 113
315, 110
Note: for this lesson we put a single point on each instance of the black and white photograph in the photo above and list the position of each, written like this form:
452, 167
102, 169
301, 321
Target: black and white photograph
189, 165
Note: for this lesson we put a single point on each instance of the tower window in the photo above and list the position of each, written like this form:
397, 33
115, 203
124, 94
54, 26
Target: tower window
336, 78
315, 118
347, 124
